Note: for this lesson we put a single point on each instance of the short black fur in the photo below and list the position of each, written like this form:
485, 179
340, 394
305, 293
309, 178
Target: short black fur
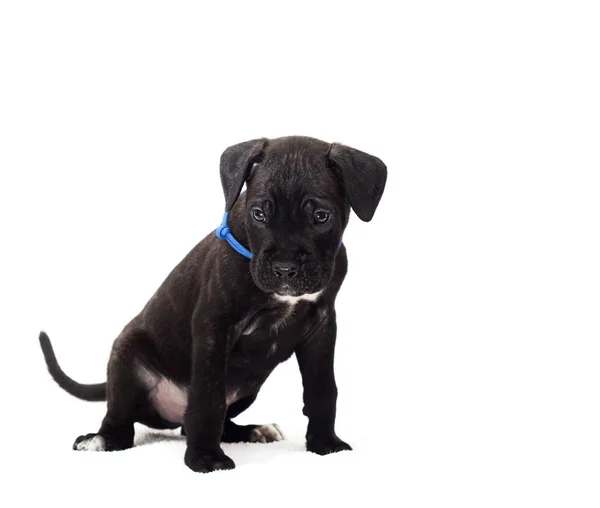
219, 324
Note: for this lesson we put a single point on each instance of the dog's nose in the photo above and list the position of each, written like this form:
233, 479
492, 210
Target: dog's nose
285, 269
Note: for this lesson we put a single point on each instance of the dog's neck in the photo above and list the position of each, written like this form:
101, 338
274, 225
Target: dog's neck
233, 228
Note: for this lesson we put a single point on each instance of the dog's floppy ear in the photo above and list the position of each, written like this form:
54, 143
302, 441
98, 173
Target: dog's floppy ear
364, 177
236, 163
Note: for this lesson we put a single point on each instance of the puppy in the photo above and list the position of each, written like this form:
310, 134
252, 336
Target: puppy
257, 290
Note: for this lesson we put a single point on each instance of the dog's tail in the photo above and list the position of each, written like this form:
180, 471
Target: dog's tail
94, 393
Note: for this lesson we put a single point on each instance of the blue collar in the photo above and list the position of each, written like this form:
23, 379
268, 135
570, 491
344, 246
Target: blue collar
224, 232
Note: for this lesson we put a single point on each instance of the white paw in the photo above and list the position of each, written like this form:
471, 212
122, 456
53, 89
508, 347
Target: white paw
266, 434
91, 444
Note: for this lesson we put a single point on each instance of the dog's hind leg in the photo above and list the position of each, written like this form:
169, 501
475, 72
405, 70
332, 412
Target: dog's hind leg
234, 433
126, 399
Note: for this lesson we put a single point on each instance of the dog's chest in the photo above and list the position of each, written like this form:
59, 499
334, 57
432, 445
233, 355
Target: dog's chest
280, 312
270, 335
269, 320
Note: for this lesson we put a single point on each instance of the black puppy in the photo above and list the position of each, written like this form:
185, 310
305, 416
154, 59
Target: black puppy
198, 353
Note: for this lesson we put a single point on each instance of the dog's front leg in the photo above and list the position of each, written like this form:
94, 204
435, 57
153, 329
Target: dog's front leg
205, 414
315, 358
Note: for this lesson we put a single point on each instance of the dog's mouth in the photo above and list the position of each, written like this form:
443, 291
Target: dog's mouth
288, 289
310, 278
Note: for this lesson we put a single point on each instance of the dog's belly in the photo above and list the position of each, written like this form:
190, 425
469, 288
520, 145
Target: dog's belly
170, 400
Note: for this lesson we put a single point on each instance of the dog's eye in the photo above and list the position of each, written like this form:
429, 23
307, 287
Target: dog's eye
321, 217
259, 215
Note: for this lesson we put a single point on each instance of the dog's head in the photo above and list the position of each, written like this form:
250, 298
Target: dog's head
297, 203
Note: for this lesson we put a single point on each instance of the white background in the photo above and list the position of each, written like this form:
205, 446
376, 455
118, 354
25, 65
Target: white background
467, 359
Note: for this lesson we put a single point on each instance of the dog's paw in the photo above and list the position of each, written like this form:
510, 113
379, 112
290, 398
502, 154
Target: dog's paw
104, 442
205, 462
90, 443
326, 446
268, 433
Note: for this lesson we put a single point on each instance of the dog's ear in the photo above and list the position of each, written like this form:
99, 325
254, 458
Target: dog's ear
235, 166
364, 177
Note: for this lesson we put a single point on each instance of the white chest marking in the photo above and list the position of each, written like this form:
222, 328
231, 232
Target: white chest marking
293, 300
250, 328
232, 397
272, 349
